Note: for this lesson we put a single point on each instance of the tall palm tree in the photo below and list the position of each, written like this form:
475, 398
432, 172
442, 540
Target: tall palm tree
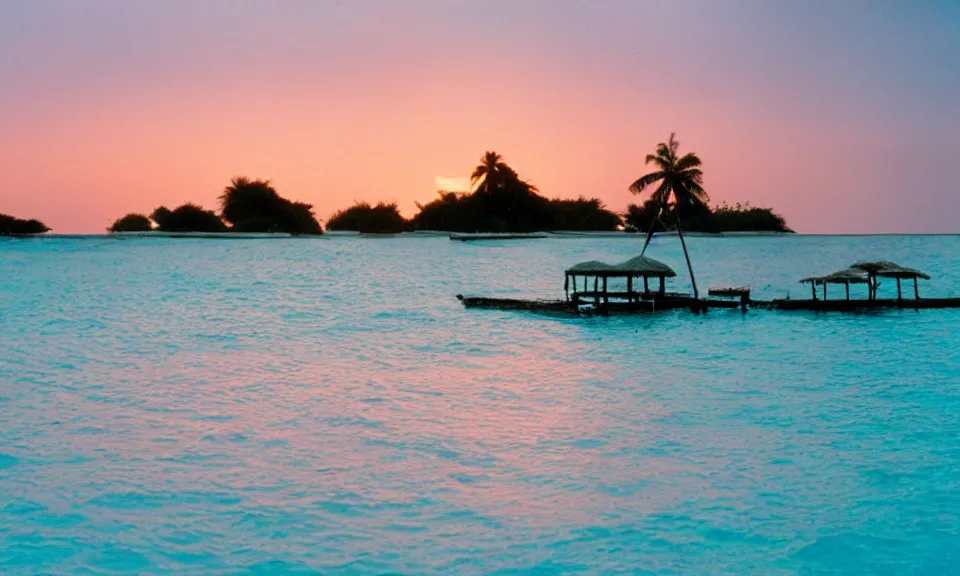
680, 177
493, 174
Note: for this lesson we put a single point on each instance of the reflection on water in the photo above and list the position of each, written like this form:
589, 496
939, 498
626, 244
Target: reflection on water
326, 406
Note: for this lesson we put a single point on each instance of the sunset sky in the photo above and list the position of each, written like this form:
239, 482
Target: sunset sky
843, 116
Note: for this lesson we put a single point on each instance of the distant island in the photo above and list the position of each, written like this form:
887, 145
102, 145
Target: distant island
245, 206
10, 226
499, 201
503, 202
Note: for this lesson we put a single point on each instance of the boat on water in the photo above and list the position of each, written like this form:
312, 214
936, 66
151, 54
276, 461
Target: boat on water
474, 237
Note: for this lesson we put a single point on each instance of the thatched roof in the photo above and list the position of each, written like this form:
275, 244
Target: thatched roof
845, 276
638, 266
644, 266
590, 268
889, 270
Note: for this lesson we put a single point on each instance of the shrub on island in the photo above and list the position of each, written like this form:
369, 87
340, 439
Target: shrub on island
131, 223
583, 214
522, 211
745, 217
254, 206
702, 218
10, 226
503, 202
187, 218
362, 217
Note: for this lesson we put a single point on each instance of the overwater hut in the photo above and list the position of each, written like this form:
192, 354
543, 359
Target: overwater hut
886, 269
846, 277
638, 267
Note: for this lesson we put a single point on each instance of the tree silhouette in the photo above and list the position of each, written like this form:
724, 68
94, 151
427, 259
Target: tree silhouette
362, 217
10, 226
131, 223
254, 206
188, 218
681, 179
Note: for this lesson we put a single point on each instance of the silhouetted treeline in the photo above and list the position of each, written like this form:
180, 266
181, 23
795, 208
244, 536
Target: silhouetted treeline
187, 218
254, 206
131, 223
699, 217
501, 202
12, 226
453, 212
246, 205
362, 217
523, 211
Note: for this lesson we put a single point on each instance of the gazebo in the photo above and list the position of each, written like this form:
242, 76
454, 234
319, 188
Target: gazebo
867, 273
638, 267
885, 269
847, 276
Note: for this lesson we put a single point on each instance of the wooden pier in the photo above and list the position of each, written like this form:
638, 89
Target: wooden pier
606, 299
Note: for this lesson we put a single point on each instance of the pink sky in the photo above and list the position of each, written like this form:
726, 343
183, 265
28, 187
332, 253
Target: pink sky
115, 107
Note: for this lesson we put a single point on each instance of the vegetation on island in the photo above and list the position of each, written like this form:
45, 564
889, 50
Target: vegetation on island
362, 217
245, 206
501, 201
703, 218
187, 218
11, 226
254, 206
131, 223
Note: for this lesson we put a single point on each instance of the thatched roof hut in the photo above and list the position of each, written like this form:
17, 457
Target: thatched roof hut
847, 276
637, 267
886, 269
589, 268
644, 266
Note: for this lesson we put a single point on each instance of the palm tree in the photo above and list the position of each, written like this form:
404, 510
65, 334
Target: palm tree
493, 174
512, 204
679, 177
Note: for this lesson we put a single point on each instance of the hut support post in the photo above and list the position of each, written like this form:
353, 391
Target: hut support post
629, 288
605, 298
916, 289
824, 290
813, 289
646, 287
662, 286
899, 293
596, 290
847, 286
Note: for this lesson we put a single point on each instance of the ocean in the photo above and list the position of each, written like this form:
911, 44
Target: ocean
327, 406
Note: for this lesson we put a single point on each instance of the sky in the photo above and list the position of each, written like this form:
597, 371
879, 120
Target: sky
842, 116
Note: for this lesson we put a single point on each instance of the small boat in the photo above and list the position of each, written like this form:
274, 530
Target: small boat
472, 237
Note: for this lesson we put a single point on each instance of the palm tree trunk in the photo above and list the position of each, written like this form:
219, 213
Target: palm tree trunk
653, 226
686, 255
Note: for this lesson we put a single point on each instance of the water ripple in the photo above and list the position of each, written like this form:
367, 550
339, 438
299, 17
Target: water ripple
327, 407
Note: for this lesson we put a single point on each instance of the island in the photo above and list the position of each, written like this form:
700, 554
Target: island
11, 226
245, 206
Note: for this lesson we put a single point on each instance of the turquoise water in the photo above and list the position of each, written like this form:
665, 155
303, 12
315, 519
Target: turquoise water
327, 406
